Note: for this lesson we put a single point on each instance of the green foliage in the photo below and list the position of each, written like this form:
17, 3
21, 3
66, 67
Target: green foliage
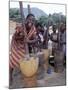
52, 19
44, 20
15, 15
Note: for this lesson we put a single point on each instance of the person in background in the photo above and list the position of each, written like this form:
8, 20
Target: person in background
54, 38
46, 38
18, 43
40, 37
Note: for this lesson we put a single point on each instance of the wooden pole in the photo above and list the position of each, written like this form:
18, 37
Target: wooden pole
30, 81
22, 12
59, 33
59, 36
29, 10
23, 24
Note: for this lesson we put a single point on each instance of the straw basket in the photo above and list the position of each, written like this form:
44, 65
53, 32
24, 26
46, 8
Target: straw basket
29, 68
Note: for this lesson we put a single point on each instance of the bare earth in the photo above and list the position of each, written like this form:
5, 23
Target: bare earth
43, 79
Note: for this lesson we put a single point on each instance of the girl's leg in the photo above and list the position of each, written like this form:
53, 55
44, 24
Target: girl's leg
10, 75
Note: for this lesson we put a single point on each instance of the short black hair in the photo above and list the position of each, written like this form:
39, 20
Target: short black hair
38, 24
54, 26
30, 15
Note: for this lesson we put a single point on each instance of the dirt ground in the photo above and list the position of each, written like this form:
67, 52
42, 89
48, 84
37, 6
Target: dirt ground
43, 79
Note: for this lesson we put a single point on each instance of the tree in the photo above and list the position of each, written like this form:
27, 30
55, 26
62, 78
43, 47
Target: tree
43, 20
52, 19
14, 14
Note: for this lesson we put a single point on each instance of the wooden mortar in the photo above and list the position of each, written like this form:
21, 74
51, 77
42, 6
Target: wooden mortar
46, 58
29, 69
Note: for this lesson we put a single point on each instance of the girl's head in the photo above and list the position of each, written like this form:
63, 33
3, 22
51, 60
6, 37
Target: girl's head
30, 20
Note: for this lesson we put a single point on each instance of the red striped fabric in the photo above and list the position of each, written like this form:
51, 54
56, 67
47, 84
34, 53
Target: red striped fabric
18, 49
